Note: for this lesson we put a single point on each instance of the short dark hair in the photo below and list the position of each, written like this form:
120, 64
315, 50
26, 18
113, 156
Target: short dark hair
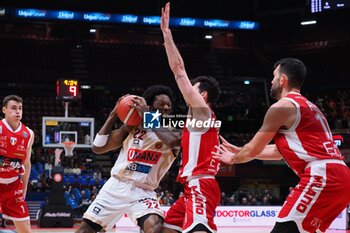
294, 69
152, 91
11, 97
209, 84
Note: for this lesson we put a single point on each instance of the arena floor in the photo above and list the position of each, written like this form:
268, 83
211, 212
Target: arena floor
136, 230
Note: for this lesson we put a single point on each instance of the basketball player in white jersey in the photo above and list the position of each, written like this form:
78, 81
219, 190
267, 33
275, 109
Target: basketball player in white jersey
16, 142
194, 211
303, 138
145, 157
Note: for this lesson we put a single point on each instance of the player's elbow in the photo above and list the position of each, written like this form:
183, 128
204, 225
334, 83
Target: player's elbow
97, 150
178, 67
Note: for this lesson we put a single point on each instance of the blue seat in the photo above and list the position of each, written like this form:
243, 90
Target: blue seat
88, 193
77, 194
92, 182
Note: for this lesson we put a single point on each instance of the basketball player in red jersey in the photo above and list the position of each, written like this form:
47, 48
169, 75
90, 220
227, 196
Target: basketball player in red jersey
16, 142
303, 138
194, 211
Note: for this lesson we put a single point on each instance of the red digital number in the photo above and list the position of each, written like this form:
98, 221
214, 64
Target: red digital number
73, 90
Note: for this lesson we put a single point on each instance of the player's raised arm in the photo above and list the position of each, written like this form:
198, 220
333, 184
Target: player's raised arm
176, 63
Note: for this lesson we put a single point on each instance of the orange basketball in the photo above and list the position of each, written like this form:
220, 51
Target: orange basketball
128, 115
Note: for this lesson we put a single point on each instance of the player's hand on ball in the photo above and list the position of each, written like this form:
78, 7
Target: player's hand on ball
223, 154
140, 104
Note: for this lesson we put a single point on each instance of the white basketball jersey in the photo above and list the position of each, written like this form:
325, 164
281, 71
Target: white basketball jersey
143, 160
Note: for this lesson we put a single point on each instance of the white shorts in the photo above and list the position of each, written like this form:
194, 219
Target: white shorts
117, 198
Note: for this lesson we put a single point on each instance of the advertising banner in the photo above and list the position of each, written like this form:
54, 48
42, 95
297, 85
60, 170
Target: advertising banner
252, 216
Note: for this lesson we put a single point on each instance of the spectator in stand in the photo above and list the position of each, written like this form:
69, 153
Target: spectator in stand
69, 189
245, 201
94, 190
168, 198
97, 174
232, 201
223, 199
43, 184
48, 164
266, 201
84, 202
254, 202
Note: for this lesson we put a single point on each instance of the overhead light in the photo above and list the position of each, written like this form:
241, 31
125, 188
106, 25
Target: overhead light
308, 22
85, 87
208, 37
246, 82
92, 30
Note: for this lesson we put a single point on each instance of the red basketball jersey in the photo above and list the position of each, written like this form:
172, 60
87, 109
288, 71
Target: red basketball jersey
309, 138
13, 149
196, 152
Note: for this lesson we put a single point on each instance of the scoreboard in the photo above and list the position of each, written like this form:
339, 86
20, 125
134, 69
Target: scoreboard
67, 89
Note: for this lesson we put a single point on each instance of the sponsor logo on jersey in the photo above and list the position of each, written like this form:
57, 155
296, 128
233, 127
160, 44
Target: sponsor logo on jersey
13, 141
96, 210
19, 154
138, 168
147, 198
145, 156
316, 222
20, 199
0, 128
19, 192
309, 195
25, 134
3, 144
21, 148
10, 164
158, 145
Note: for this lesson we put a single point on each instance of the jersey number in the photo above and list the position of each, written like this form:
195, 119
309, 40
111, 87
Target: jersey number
22, 207
329, 145
139, 134
151, 204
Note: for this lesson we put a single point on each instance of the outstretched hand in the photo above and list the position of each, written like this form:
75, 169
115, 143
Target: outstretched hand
164, 22
232, 148
223, 154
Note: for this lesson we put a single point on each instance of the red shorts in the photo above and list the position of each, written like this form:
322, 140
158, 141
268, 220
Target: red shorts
13, 202
196, 206
321, 195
